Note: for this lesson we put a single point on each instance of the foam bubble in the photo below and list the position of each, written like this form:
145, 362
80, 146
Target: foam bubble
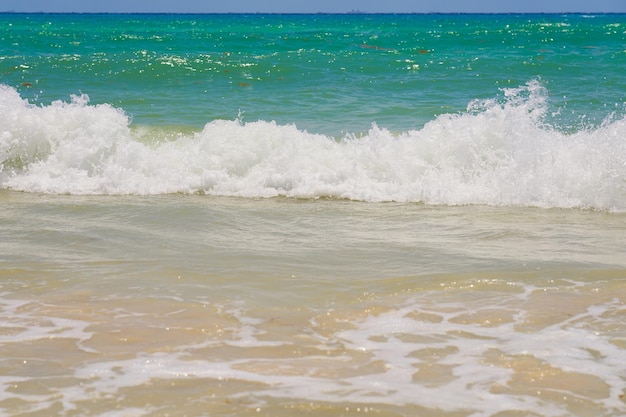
499, 152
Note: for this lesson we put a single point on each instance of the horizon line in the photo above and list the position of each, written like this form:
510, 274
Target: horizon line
352, 12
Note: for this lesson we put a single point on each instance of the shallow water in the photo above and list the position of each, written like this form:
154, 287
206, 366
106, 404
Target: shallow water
198, 305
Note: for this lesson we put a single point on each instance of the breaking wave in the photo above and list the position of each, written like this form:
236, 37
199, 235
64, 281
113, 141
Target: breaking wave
498, 152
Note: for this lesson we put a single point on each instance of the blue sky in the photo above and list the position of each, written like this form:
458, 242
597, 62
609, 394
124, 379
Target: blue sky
314, 6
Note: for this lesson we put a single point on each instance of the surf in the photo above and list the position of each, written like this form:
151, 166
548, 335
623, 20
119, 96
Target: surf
499, 151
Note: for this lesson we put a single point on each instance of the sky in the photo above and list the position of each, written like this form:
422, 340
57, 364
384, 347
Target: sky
314, 6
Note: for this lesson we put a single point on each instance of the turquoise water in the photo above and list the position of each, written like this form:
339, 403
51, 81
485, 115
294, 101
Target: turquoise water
321, 215
325, 73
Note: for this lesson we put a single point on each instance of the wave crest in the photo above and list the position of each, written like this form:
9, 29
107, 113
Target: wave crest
498, 152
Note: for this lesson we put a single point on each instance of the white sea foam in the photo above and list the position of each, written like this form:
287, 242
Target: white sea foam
498, 152
370, 358
14, 313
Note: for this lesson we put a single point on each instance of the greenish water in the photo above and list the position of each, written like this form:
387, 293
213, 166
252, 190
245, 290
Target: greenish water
326, 73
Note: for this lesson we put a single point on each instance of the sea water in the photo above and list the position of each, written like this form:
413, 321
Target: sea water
325, 215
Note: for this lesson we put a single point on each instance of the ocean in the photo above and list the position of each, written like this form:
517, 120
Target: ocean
320, 215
